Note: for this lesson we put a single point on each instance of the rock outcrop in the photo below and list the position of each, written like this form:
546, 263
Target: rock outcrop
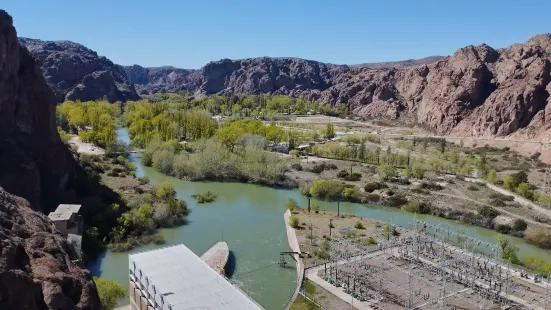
159, 79
34, 162
36, 268
75, 72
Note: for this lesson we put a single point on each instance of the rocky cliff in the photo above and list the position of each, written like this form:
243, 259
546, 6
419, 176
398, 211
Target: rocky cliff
36, 271
76, 72
36, 268
159, 79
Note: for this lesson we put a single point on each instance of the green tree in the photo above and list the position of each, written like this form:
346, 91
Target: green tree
109, 292
166, 191
341, 108
229, 133
361, 150
508, 250
291, 205
509, 182
386, 172
524, 189
329, 131
492, 176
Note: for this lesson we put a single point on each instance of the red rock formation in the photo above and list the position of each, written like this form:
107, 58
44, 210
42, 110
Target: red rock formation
36, 269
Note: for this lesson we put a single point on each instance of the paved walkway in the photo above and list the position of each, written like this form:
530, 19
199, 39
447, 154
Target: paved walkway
295, 247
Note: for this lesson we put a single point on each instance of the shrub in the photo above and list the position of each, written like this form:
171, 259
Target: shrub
297, 166
342, 174
109, 291
158, 239
386, 172
353, 177
396, 201
359, 225
205, 197
538, 236
473, 188
317, 169
503, 228
371, 187
413, 206
331, 166
502, 197
294, 153
163, 161
144, 179
291, 204
488, 212
520, 225
326, 189
373, 198
524, 189
370, 241
294, 221
431, 186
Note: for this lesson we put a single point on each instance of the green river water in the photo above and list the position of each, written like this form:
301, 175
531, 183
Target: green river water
250, 219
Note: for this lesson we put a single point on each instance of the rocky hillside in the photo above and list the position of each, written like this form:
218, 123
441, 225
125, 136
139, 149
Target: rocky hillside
76, 72
399, 64
478, 91
36, 271
159, 79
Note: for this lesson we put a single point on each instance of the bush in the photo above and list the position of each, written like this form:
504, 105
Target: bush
503, 228
502, 197
431, 186
294, 221
353, 177
413, 206
538, 236
109, 291
359, 225
304, 190
396, 201
144, 179
291, 205
373, 198
520, 225
205, 197
342, 174
488, 212
370, 241
158, 239
327, 189
297, 166
351, 194
473, 188
294, 153
163, 161
371, 187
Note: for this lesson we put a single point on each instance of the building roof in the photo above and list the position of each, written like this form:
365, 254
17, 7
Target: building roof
186, 282
64, 212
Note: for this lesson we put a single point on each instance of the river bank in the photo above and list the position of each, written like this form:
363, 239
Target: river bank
244, 208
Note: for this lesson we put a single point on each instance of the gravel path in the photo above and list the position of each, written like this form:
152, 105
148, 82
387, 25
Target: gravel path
85, 147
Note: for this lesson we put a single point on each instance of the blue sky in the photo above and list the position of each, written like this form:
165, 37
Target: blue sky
188, 34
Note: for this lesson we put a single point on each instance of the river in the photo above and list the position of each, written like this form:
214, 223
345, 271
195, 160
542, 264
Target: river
250, 219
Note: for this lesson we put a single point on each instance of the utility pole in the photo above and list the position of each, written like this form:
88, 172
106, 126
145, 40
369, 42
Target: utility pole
308, 204
338, 208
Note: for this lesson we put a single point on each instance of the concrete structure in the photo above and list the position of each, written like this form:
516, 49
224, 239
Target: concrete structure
174, 278
67, 220
217, 256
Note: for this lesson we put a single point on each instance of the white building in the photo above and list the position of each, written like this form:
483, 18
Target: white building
174, 278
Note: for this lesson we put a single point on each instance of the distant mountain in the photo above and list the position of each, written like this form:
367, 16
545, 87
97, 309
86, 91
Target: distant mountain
399, 64
158, 79
478, 91
76, 72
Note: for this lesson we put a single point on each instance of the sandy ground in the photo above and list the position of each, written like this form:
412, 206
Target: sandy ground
86, 148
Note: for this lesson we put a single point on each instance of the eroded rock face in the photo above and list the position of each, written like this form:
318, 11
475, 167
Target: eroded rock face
76, 72
478, 91
34, 162
36, 269
159, 79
